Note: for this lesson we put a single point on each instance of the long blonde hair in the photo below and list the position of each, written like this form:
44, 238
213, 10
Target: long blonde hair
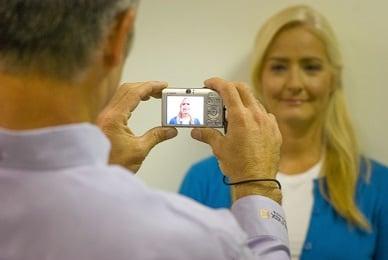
342, 156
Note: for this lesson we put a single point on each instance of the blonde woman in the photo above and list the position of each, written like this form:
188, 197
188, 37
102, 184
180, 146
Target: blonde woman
336, 200
184, 117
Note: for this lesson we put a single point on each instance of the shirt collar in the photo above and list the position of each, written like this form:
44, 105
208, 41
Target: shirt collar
53, 147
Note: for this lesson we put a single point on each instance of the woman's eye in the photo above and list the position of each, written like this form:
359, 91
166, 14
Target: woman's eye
313, 67
278, 68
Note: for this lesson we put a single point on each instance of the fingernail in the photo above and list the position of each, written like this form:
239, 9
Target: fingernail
196, 134
171, 132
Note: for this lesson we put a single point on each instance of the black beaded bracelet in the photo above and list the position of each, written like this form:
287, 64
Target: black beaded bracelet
247, 181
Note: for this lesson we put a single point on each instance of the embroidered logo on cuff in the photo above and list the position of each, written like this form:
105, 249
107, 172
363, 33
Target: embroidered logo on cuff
271, 214
264, 213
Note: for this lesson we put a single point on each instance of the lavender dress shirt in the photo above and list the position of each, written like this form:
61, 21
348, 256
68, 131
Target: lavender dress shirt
59, 199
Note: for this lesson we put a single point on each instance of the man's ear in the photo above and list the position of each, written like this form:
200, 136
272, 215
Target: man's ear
118, 39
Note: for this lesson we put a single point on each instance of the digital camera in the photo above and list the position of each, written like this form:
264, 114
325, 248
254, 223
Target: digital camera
192, 107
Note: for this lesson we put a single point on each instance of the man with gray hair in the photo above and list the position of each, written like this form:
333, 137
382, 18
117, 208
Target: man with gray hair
63, 194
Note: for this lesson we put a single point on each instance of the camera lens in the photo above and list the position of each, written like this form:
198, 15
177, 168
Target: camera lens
188, 91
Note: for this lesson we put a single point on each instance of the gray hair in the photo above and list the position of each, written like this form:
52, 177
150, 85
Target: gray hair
54, 37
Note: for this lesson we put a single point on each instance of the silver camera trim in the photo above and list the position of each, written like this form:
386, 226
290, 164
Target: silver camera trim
212, 103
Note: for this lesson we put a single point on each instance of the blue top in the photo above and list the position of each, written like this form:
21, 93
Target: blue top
329, 236
174, 121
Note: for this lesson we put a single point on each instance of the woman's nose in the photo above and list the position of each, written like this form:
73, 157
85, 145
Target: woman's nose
294, 80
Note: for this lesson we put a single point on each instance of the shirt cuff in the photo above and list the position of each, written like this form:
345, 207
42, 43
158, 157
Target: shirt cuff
260, 216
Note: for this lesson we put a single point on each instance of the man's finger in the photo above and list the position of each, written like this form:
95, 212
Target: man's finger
250, 101
152, 89
227, 91
247, 97
206, 135
157, 135
276, 132
132, 95
129, 95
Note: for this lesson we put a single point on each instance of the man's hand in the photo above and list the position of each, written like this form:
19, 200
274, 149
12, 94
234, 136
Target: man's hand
127, 149
251, 147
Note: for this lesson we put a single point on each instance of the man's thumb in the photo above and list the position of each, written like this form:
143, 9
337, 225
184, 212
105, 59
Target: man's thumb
157, 135
206, 135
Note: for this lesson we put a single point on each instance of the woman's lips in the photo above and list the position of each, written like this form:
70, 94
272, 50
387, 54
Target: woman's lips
293, 101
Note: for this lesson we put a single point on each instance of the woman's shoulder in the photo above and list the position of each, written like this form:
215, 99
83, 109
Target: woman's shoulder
208, 163
375, 179
203, 171
378, 171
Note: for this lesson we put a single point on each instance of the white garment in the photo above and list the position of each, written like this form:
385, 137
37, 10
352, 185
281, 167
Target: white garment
59, 199
184, 121
297, 204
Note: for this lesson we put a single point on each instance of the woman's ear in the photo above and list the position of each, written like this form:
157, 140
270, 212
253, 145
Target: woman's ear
119, 38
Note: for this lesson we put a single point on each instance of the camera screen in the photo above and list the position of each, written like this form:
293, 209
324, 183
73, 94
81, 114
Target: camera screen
185, 110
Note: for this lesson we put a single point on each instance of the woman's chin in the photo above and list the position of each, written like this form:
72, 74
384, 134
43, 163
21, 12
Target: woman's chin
295, 119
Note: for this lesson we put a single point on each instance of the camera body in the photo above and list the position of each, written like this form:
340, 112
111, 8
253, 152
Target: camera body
192, 107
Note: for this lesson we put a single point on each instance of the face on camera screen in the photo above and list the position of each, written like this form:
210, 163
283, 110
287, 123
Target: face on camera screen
185, 110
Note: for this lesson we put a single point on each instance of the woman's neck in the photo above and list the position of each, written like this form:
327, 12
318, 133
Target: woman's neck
301, 149
184, 116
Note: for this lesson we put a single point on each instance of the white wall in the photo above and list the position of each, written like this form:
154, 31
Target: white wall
184, 42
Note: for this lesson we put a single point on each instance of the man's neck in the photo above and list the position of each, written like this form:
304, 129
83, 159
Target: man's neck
28, 102
301, 149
